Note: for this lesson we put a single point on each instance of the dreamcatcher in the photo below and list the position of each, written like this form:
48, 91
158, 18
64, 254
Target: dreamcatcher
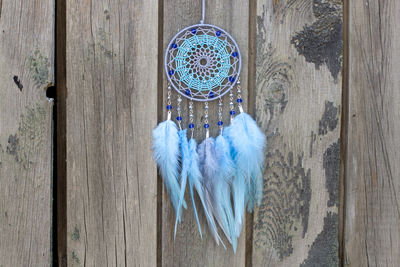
203, 63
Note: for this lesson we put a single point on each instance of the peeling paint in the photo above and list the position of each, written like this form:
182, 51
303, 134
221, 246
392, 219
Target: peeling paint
38, 66
331, 164
13, 146
321, 42
75, 234
103, 43
30, 128
324, 250
286, 184
329, 119
75, 257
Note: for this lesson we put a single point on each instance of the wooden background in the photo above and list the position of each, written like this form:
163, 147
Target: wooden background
78, 186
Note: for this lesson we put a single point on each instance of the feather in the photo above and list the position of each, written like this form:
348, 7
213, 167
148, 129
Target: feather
166, 155
247, 149
238, 190
185, 162
222, 191
195, 182
209, 170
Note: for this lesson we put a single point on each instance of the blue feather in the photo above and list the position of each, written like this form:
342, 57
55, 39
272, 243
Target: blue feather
247, 148
185, 161
166, 155
209, 170
196, 182
222, 192
238, 190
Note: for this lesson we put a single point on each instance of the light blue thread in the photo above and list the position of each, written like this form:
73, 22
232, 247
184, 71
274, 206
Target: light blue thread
203, 62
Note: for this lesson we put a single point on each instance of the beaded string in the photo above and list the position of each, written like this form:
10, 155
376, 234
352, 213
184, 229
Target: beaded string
169, 106
178, 108
206, 125
239, 99
191, 124
220, 122
231, 106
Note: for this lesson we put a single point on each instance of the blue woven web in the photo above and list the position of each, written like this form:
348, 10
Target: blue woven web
203, 62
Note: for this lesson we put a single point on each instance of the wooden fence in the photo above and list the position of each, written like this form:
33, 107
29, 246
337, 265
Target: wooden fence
78, 186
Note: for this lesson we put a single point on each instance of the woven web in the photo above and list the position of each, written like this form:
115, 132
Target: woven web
202, 62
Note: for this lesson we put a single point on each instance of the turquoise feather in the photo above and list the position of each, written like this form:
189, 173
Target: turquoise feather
196, 183
222, 191
209, 170
185, 162
247, 150
166, 155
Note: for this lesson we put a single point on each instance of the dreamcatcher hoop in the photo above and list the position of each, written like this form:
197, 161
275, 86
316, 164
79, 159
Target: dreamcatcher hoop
202, 62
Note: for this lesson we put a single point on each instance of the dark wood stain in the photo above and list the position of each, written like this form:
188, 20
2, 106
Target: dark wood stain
321, 42
324, 250
331, 164
286, 202
329, 119
12, 147
18, 82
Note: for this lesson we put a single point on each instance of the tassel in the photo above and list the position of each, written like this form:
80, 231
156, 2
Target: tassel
209, 170
247, 148
166, 155
222, 192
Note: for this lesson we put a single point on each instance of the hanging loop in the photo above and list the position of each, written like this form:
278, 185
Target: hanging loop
203, 11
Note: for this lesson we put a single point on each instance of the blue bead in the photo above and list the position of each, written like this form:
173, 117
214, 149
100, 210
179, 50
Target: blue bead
171, 72
211, 94
231, 79
218, 33
232, 112
220, 123
191, 125
179, 118
193, 31
206, 125
187, 92
235, 54
174, 45
169, 107
239, 100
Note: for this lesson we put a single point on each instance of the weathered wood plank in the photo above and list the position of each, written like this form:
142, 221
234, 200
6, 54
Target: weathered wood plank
188, 249
111, 59
26, 70
298, 103
372, 218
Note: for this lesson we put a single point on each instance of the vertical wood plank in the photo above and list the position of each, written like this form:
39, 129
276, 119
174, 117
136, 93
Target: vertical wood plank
188, 249
372, 217
298, 103
26, 70
111, 59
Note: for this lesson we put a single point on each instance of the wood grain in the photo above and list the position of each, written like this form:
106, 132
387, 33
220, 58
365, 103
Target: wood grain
111, 59
188, 249
298, 103
26, 70
372, 218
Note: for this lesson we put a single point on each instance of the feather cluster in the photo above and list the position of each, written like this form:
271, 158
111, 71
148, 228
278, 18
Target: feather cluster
226, 173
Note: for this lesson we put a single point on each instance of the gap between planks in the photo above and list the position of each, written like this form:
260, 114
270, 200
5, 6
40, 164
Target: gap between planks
344, 132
